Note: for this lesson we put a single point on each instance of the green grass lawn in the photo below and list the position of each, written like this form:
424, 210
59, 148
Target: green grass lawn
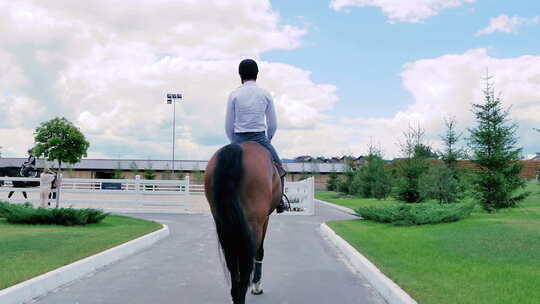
486, 258
30, 250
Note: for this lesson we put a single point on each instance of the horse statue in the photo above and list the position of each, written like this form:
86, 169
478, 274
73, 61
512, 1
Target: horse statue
243, 188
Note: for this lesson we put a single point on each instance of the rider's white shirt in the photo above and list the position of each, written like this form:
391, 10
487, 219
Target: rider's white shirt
250, 109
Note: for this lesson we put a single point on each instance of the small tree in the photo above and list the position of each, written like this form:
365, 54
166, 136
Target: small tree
331, 183
134, 168
372, 179
345, 181
493, 142
149, 173
58, 139
167, 173
444, 181
180, 175
451, 153
118, 173
414, 164
440, 184
197, 175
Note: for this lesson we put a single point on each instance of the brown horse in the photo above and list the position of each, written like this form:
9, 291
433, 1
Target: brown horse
243, 188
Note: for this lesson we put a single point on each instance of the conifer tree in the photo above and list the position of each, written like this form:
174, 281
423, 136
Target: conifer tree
372, 180
414, 164
495, 152
451, 153
444, 181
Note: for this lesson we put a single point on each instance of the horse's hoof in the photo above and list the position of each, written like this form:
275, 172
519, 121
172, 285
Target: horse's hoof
257, 288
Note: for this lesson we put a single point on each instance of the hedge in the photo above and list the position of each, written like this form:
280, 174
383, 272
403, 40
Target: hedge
27, 214
416, 214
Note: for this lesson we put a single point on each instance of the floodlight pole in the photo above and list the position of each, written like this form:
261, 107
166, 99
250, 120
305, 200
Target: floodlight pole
173, 134
172, 98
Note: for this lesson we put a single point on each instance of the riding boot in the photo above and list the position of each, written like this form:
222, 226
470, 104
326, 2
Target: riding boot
282, 206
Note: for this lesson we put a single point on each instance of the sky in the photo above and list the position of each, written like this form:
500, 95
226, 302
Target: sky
343, 73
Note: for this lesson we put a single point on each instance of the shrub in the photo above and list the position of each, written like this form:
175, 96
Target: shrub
345, 182
26, 214
414, 164
409, 172
95, 216
180, 175
372, 179
331, 183
442, 184
407, 214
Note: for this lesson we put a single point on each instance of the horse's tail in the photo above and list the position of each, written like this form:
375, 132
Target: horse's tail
235, 235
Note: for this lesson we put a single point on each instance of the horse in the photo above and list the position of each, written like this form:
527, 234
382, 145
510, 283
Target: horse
243, 188
15, 172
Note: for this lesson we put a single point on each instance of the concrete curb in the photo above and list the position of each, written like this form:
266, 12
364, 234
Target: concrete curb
41, 285
338, 207
389, 290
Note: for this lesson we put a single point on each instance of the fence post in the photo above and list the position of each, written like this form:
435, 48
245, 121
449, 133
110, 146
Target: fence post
312, 195
58, 187
187, 192
138, 187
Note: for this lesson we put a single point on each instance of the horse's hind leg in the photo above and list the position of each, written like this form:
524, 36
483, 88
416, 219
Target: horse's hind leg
259, 256
257, 284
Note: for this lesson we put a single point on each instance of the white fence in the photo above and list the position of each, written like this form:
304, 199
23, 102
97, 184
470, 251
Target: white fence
137, 194
301, 195
104, 193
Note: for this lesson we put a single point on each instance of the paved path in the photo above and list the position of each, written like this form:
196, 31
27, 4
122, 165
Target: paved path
185, 268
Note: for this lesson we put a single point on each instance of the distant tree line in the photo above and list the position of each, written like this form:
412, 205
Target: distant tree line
424, 174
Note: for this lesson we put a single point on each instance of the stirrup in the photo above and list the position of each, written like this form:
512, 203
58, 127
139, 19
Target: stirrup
282, 205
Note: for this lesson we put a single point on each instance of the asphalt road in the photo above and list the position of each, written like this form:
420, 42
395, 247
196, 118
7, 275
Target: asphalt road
299, 267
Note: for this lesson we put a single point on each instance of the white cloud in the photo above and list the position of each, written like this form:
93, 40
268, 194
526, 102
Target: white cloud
449, 85
400, 10
107, 69
11, 74
506, 24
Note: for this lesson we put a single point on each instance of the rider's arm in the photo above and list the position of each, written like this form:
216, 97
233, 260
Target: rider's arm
229, 119
271, 120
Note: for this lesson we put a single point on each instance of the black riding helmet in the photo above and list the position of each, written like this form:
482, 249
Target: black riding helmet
248, 69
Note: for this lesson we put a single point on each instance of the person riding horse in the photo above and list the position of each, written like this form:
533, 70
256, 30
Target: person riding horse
243, 183
251, 116
29, 165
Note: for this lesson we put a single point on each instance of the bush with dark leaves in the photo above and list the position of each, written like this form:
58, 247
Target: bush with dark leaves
27, 214
416, 214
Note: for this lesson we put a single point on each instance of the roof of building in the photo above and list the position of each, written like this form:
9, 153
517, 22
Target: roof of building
537, 157
163, 165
